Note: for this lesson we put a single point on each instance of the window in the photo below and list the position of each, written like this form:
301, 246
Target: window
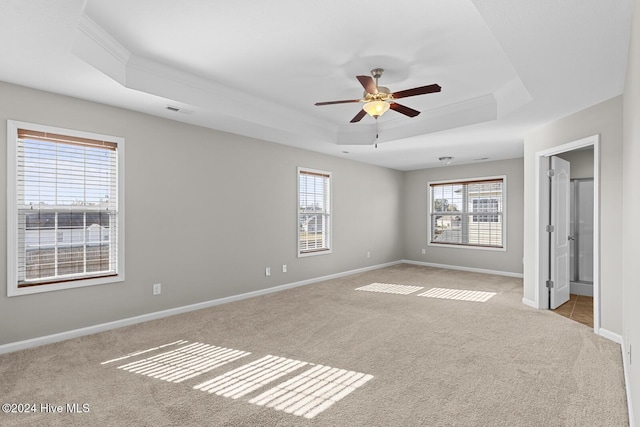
65, 209
314, 212
468, 213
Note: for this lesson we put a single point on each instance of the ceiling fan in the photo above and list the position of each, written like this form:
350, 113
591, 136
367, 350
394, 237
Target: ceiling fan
378, 99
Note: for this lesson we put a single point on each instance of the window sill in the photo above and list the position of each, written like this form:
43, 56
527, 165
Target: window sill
314, 253
456, 246
14, 290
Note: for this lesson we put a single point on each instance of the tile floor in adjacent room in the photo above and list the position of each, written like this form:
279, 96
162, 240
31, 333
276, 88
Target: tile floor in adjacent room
578, 308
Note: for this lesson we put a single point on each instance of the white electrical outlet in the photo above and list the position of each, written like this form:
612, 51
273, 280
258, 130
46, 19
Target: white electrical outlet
157, 288
368, 254
284, 268
267, 271
424, 251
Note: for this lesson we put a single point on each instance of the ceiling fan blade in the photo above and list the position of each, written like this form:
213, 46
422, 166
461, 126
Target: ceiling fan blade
358, 116
368, 84
404, 110
422, 90
346, 101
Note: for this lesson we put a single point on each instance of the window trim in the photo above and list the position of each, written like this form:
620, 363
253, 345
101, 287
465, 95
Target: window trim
463, 246
329, 237
12, 212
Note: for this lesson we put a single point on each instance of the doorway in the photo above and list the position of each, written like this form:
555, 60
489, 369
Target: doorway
581, 255
579, 308
544, 262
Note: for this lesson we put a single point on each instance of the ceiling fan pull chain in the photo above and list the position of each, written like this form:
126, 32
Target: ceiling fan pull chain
377, 134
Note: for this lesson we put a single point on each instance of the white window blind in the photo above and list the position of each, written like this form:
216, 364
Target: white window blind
314, 212
66, 208
468, 213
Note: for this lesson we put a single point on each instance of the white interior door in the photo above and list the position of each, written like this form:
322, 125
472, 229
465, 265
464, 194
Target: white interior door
560, 242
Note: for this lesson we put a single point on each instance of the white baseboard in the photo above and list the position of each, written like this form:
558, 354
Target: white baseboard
579, 288
75, 333
627, 381
530, 303
617, 338
460, 268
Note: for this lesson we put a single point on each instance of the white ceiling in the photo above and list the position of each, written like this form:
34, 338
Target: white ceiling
256, 68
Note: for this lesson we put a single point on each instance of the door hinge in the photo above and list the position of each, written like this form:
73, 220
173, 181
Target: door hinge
550, 172
550, 228
549, 284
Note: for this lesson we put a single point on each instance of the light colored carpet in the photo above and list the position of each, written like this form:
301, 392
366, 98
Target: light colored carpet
364, 358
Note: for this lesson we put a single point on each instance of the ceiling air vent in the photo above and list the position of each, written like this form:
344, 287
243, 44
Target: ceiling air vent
179, 110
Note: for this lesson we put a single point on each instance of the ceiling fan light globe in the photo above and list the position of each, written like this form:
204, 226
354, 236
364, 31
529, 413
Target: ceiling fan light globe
376, 108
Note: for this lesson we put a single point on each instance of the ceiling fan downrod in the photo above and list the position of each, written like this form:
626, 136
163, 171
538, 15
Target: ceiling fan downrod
377, 73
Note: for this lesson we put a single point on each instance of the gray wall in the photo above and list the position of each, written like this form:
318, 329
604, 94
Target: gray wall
416, 209
604, 119
206, 212
630, 209
581, 162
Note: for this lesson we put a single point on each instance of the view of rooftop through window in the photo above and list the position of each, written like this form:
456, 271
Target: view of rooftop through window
313, 211
467, 213
67, 207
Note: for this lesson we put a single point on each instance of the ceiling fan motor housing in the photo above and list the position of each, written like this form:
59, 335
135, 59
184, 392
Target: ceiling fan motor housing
384, 94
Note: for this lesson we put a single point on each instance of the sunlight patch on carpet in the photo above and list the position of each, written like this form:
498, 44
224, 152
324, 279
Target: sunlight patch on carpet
312, 392
185, 362
458, 294
138, 353
389, 288
245, 379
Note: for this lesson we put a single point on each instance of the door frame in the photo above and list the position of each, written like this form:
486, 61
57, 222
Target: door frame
541, 211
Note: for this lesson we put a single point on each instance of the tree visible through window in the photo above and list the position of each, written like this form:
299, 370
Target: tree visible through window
314, 212
468, 213
65, 209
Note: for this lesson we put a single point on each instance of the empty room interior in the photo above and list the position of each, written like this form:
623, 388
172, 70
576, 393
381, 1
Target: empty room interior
418, 213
